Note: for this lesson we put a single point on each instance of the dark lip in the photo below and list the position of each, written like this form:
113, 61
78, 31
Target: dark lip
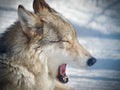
62, 79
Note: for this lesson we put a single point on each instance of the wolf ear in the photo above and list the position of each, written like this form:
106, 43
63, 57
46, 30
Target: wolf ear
31, 24
40, 6
25, 17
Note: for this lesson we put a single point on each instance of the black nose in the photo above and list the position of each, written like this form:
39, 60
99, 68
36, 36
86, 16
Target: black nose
91, 61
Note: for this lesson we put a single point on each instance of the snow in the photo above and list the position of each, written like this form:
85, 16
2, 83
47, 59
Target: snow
97, 23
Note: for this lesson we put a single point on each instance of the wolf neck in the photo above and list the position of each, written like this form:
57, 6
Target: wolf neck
14, 43
15, 47
8, 38
13, 40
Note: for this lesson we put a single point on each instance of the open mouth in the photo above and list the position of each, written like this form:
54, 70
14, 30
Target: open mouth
62, 77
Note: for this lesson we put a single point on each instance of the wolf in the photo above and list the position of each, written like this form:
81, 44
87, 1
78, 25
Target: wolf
35, 50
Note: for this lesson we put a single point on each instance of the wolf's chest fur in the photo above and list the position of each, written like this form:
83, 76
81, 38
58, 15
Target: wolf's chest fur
24, 76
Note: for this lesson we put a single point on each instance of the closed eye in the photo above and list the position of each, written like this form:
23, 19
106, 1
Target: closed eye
59, 41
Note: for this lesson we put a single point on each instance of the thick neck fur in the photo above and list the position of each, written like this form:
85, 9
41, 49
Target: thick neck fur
14, 44
12, 37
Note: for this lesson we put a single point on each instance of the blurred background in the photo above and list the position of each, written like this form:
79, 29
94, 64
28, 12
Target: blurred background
97, 23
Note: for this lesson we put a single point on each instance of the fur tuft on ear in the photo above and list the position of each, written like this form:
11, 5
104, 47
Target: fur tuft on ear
40, 6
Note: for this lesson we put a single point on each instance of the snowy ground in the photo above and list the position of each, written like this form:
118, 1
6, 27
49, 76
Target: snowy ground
97, 23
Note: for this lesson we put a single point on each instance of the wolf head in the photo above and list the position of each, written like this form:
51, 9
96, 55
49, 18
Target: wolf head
53, 38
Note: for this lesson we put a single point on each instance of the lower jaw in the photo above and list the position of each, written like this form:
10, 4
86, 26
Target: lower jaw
62, 79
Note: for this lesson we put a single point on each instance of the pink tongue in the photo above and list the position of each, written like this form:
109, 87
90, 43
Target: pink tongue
62, 69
